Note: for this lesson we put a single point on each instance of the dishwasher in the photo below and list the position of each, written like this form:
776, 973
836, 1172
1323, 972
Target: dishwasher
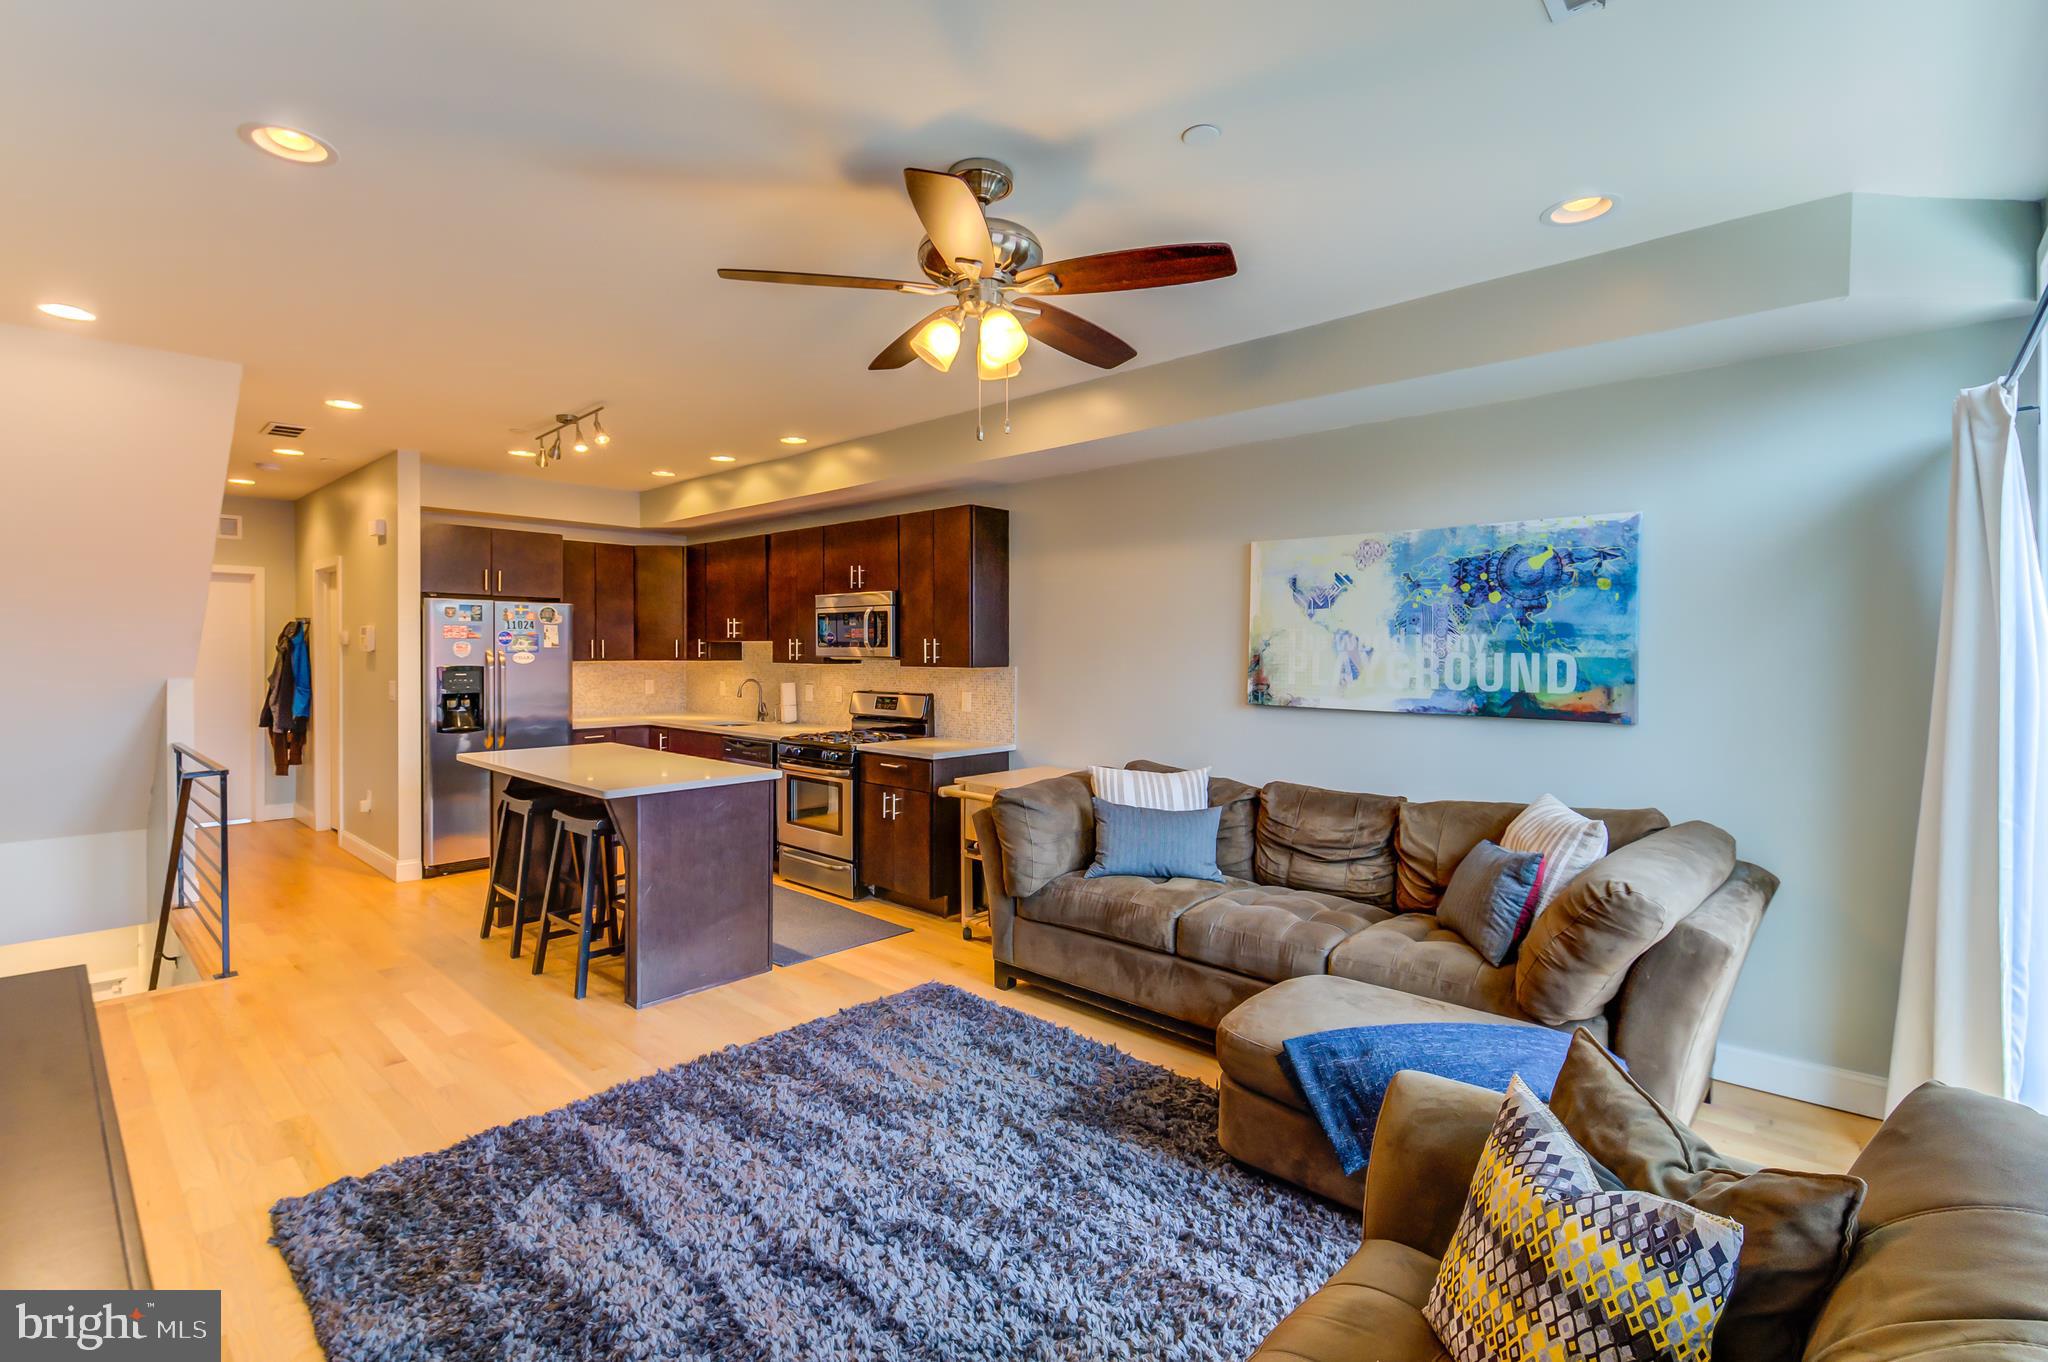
750, 751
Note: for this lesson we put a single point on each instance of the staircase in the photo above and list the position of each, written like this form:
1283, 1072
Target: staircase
195, 898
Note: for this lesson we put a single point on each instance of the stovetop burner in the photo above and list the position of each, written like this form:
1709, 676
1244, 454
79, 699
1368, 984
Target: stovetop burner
847, 737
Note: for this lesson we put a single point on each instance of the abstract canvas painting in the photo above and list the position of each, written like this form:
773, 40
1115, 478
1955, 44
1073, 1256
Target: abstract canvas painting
1529, 619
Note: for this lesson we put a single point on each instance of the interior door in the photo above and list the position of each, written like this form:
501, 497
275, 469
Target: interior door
796, 575
455, 560
225, 690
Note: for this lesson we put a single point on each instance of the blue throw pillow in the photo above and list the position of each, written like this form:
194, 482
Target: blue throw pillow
1344, 1074
1492, 899
1159, 843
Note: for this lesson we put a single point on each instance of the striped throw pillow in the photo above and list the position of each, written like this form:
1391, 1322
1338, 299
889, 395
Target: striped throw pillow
1568, 842
1173, 790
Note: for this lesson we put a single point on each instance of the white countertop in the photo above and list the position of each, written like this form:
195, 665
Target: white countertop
923, 749
611, 770
989, 782
938, 749
701, 723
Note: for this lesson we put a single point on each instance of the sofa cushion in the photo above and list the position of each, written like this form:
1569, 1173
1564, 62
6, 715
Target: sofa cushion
1330, 841
1414, 953
1046, 829
1371, 1308
1240, 805
1575, 958
1121, 907
1797, 1227
1269, 932
1434, 836
1147, 789
1250, 1038
1952, 1248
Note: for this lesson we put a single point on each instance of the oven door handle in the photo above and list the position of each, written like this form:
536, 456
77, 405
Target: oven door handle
844, 777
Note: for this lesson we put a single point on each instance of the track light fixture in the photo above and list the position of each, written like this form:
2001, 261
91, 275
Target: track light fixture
549, 441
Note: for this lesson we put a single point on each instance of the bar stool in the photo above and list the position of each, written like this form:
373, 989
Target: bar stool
509, 808
589, 872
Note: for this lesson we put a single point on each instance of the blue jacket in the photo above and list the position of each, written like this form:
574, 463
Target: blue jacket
302, 677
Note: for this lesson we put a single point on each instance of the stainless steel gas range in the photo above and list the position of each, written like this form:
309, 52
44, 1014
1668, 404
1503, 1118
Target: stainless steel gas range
816, 827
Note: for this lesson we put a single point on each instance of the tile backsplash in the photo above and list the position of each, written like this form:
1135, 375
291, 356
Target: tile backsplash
621, 688
978, 703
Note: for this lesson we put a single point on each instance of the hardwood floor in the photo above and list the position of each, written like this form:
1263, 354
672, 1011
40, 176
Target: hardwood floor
368, 1023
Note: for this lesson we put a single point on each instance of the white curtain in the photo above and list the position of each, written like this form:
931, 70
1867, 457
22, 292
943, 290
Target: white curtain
1973, 999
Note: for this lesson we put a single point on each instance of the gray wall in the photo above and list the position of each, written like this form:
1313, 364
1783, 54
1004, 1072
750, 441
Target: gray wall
1794, 517
1793, 534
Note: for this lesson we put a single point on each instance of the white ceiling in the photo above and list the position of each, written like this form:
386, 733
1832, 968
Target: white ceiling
530, 200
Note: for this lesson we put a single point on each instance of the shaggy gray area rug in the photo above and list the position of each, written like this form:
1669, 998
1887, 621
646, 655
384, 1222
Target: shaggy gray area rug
929, 1176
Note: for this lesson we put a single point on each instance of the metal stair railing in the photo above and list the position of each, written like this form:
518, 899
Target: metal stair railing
196, 871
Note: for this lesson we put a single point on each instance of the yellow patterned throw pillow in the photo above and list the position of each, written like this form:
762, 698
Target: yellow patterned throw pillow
1546, 1265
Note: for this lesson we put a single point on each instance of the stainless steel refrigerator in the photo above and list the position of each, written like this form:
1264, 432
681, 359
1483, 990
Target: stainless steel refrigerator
496, 676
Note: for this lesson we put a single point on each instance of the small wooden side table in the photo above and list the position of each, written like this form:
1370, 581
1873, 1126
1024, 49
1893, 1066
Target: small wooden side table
976, 793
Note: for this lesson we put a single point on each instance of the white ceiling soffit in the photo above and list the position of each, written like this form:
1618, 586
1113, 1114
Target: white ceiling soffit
530, 200
1848, 268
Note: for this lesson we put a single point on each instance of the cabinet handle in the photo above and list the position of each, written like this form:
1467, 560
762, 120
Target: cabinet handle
604, 647
890, 765
501, 579
700, 647
935, 652
661, 741
675, 647
487, 579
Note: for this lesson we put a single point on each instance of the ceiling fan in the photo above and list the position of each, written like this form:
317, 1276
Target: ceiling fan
995, 271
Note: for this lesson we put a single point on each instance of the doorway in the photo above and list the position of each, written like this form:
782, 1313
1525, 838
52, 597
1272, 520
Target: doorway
226, 689
323, 739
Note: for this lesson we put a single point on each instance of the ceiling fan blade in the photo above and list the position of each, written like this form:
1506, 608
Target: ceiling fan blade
1076, 336
952, 218
831, 280
898, 353
1145, 267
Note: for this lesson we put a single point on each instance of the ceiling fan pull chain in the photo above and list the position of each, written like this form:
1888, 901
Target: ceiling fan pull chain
979, 433
1006, 406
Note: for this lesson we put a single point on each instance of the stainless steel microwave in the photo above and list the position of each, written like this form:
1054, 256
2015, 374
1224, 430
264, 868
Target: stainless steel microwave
856, 624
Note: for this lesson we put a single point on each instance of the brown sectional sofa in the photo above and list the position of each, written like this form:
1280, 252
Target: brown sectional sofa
1949, 1259
1642, 949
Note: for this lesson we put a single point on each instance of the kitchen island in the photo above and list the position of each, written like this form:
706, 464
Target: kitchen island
698, 837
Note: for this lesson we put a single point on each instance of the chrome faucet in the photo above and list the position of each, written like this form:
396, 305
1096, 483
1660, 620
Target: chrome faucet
760, 699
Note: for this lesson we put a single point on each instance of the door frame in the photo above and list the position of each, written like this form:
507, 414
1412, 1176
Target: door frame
259, 809
325, 757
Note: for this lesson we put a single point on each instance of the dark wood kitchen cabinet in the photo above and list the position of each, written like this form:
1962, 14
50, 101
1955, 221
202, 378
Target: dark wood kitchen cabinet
796, 574
526, 564
736, 576
954, 606
597, 584
860, 555
473, 560
910, 833
707, 637
658, 612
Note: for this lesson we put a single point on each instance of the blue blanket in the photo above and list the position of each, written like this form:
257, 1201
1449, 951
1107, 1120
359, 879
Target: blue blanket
1344, 1074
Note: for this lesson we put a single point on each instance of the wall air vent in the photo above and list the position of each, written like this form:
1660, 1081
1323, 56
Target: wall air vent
230, 527
1561, 10
282, 430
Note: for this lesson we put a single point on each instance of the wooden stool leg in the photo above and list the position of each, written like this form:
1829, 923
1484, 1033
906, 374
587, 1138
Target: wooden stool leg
593, 869
547, 897
491, 873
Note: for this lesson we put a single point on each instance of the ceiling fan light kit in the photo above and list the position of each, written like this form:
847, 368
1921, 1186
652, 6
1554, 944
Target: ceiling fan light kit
996, 272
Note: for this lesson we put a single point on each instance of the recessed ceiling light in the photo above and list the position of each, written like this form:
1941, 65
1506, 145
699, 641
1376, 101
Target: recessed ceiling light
243, 482
1572, 212
723, 458
290, 144
1201, 134
66, 311
290, 453
344, 404
521, 453
663, 473
796, 439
